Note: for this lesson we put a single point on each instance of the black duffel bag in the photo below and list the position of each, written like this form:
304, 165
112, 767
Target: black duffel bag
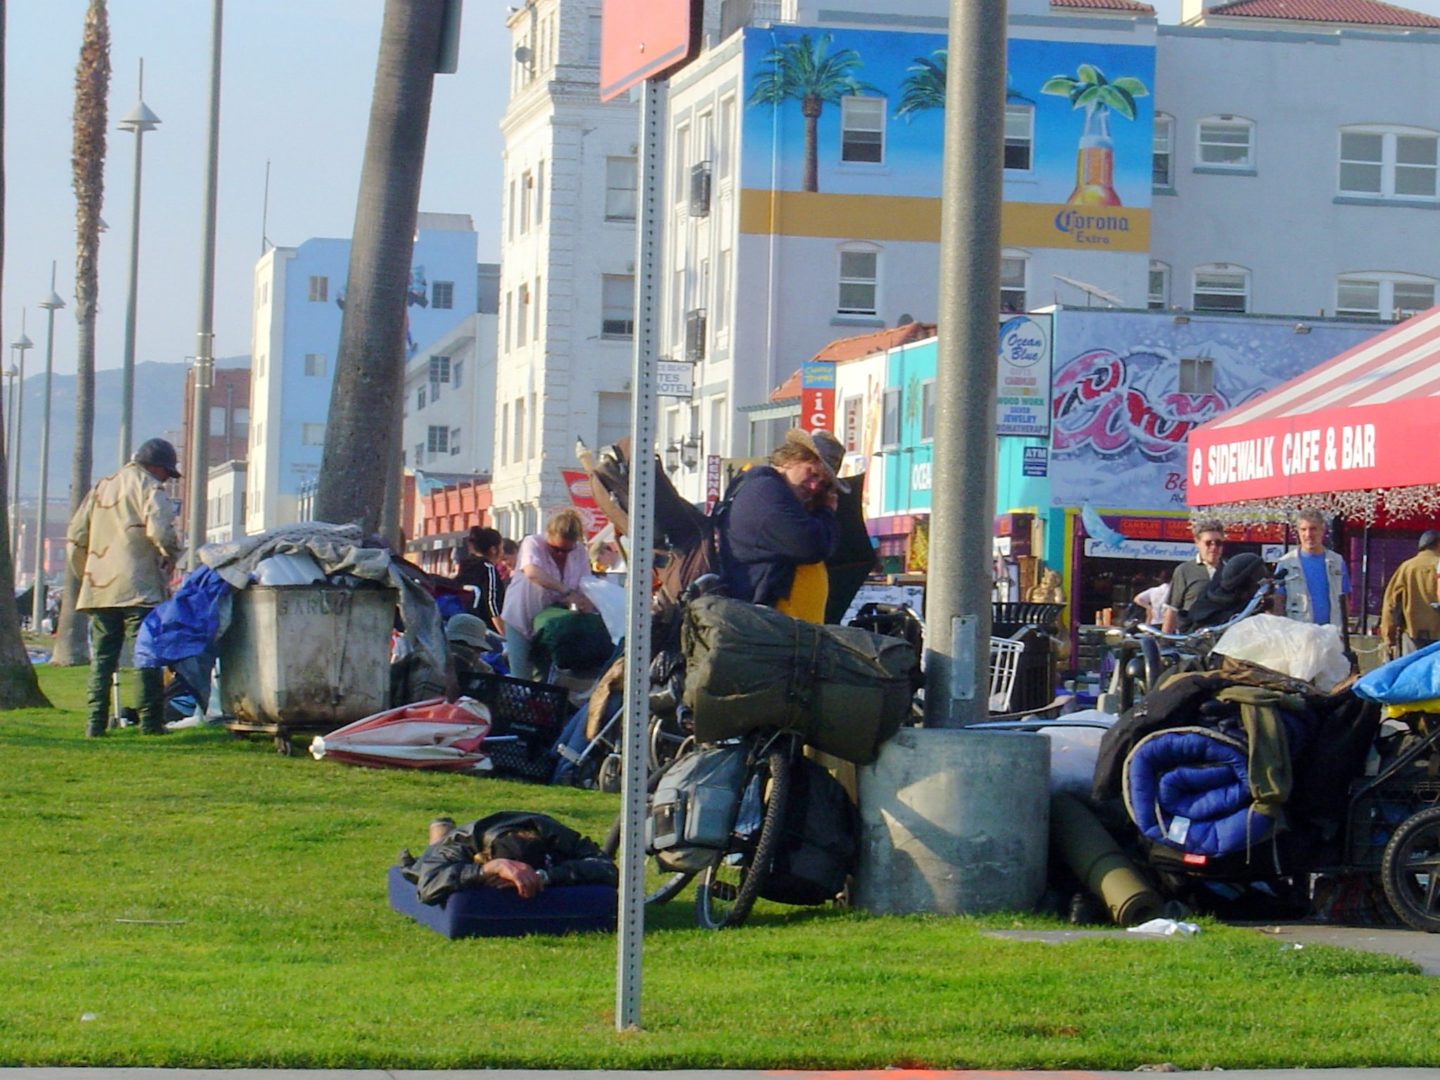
844, 690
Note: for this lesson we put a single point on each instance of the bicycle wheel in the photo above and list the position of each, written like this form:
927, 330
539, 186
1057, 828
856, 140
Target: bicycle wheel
668, 739
668, 883
1410, 871
729, 887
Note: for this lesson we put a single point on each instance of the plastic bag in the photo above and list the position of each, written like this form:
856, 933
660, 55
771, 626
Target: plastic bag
1300, 650
288, 568
609, 601
1415, 677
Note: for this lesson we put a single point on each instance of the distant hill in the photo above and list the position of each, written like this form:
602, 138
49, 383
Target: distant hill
159, 409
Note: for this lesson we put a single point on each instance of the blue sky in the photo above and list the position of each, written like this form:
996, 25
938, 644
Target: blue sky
296, 83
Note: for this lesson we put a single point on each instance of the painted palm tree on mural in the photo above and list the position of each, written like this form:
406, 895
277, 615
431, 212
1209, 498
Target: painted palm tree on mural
1099, 97
806, 71
924, 87
87, 159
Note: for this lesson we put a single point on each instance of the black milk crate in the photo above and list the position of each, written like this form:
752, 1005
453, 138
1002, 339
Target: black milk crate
513, 756
534, 712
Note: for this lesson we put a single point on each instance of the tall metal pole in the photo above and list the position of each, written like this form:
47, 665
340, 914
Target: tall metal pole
51, 304
21, 345
642, 554
138, 120
958, 584
205, 346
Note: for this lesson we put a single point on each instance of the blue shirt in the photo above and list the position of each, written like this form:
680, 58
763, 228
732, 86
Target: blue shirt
1318, 585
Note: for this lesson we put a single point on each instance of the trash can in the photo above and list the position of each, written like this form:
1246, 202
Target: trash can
1034, 624
306, 657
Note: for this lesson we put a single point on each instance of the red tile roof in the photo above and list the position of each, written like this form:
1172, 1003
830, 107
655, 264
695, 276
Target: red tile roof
1362, 12
853, 348
1131, 6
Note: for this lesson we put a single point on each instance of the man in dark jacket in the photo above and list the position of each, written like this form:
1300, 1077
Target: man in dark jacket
513, 849
781, 526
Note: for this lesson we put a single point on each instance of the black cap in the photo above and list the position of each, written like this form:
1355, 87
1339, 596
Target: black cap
1428, 539
160, 453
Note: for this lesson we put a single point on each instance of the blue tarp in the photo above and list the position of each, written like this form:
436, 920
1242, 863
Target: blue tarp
1410, 678
186, 624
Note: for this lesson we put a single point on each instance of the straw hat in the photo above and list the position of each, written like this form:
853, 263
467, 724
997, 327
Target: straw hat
828, 450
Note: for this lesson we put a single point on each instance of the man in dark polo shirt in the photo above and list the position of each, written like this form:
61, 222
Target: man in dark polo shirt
1188, 583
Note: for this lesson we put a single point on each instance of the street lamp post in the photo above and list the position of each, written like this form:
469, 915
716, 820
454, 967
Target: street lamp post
138, 120
21, 345
51, 304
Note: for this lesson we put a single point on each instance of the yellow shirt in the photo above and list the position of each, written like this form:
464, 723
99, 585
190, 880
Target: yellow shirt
808, 594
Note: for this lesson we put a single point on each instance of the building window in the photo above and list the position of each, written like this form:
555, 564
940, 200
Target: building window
442, 295
313, 435
722, 290
522, 315
242, 421
455, 369
315, 365
1019, 137
1395, 163
1221, 288
1383, 296
509, 303
439, 370
539, 192
621, 180
927, 410
1197, 375
1162, 157
217, 420
527, 196
859, 282
724, 153
681, 151
419, 454
517, 446
535, 307
617, 303
319, 289
592, 41
420, 399
1158, 298
437, 439
890, 419
1226, 142
454, 441
1014, 269
862, 129
510, 212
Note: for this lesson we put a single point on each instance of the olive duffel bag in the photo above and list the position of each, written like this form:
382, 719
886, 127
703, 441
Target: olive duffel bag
845, 690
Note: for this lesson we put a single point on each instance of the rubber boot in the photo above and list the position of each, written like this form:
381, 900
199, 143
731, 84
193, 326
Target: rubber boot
95, 729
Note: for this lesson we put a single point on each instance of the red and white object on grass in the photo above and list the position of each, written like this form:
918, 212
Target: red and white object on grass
434, 734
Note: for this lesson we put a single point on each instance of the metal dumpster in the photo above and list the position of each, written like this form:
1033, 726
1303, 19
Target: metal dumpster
305, 658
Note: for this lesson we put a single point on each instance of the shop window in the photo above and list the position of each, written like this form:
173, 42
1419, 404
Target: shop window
1197, 375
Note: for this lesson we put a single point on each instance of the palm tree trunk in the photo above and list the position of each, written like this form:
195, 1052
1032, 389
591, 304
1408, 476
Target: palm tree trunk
811, 180
370, 369
19, 688
92, 84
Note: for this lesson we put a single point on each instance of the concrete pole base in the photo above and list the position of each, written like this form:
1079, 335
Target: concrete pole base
954, 821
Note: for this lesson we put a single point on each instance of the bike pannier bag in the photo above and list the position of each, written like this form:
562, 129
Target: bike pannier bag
693, 809
845, 690
819, 839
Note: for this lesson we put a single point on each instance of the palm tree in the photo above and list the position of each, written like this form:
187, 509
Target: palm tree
802, 71
87, 162
370, 368
19, 688
924, 87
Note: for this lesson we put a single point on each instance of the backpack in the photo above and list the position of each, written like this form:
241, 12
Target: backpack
694, 808
819, 839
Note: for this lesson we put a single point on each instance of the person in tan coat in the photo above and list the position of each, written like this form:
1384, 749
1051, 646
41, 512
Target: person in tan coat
122, 547
1407, 621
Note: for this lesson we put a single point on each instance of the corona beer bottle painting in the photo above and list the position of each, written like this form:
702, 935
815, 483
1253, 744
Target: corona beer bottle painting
1095, 156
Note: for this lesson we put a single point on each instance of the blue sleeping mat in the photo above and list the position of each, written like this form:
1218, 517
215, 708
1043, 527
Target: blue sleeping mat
568, 909
1190, 788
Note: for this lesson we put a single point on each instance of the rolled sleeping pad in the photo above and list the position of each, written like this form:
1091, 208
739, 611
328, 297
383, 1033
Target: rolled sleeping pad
1094, 857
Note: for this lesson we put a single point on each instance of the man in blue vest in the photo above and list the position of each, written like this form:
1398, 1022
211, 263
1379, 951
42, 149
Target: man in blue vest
1316, 580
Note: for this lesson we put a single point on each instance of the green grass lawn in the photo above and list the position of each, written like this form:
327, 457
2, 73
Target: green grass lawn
199, 901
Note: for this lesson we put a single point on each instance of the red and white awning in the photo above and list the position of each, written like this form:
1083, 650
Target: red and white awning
1367, 419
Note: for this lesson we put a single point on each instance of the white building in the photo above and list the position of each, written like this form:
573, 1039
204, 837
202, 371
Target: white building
1254, 162
568, 260
298, 305
449, 422
225, 506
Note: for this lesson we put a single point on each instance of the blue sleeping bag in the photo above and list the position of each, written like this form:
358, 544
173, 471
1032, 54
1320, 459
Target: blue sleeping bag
1189, 788
1409, 678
